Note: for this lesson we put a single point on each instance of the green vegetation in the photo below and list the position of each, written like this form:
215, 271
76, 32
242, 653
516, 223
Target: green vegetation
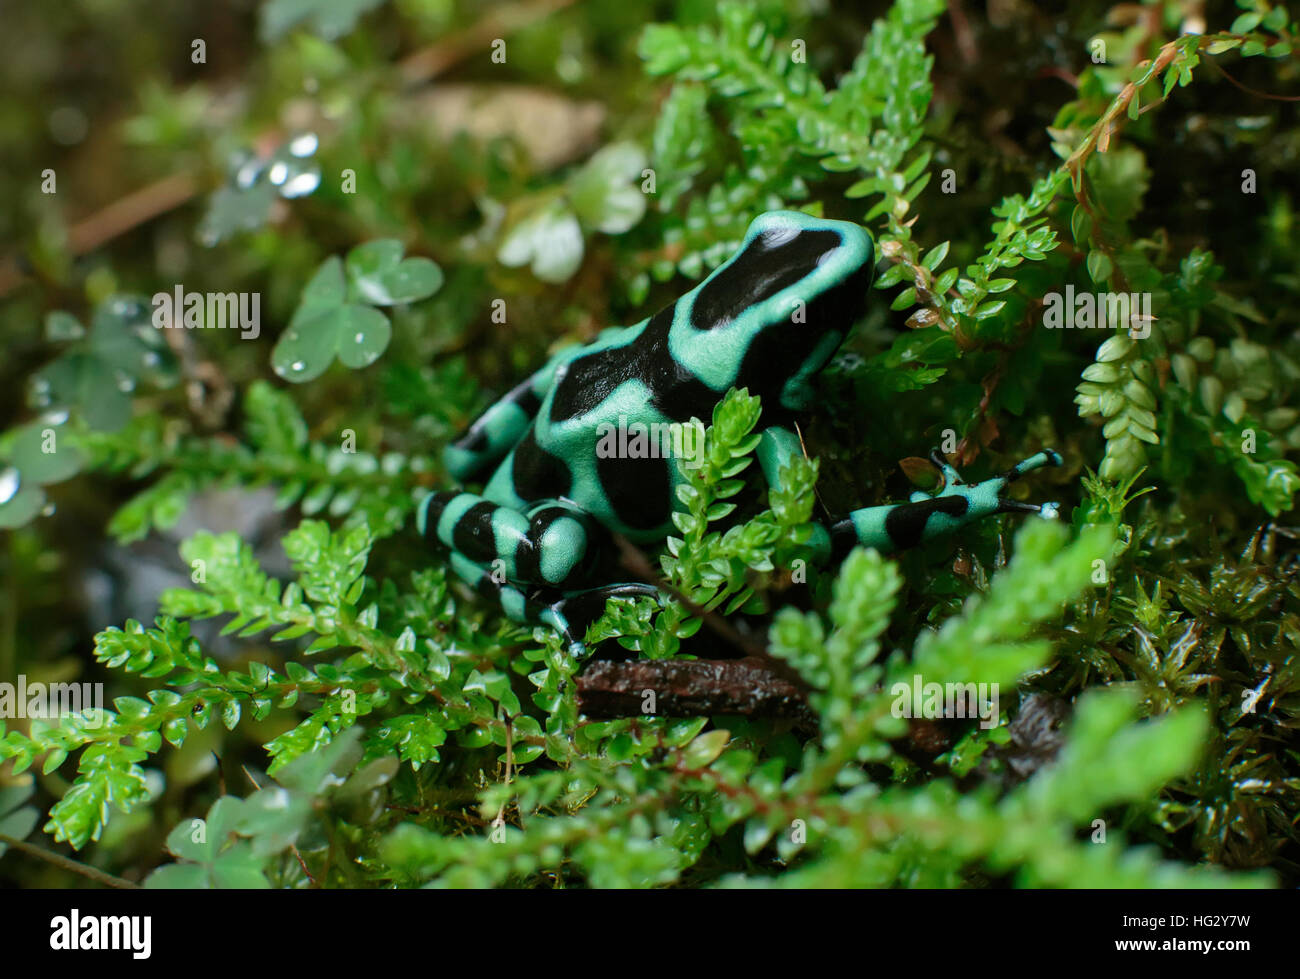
428, 196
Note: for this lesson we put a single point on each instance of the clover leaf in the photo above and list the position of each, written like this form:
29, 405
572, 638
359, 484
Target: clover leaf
378, 274
210, 855
600, 192
36, 455
549, 238
16, 820
94, 378
329, 19
255, 182
336, 316
547, 235
97, 375
230, 847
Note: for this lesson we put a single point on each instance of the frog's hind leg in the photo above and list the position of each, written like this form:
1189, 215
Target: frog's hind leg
579, 609
517, 606
549, 544
568, 614
924, 517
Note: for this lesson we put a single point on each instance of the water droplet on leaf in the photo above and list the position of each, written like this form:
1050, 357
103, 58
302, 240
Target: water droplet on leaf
304, 145
301, 184
9, 484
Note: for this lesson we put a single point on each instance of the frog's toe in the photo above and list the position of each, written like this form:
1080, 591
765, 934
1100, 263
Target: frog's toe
950, 475
1048, 511
1047, 457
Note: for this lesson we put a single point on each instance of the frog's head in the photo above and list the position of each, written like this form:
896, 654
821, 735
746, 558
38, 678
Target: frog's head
773, 316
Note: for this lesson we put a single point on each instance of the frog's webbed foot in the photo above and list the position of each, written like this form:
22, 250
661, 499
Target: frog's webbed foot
988, 497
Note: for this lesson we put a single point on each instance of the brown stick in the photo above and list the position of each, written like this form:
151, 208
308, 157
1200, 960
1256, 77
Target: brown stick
71, 866
117, 219
438, 57
690, 688
131, 211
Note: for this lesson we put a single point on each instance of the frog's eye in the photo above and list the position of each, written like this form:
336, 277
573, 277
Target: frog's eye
775, 259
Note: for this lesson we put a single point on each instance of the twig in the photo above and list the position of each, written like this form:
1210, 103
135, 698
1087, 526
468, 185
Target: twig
691, 688
510, 764
438, 57
1251, 91
71, 866
963, 33
116, 219
303, 864
131, 211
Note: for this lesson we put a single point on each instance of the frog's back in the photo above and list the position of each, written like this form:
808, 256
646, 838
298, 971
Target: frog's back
602, 438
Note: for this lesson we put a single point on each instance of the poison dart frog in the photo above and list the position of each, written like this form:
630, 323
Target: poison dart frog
531, 539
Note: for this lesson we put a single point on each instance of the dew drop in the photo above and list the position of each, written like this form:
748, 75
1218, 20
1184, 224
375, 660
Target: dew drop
301, 185
304, 145
247, 174
40, 393
48, 510
297, 367
361, 338
279, 173
55, 417
9, 484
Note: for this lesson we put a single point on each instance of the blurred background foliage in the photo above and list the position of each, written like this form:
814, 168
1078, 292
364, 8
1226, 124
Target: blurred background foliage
996, 152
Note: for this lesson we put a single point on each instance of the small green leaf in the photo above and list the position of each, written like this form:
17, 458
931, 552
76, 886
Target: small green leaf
363, 334
550, 239
704, 749
1099, 266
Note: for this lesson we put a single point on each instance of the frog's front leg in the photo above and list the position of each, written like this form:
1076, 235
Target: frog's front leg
500, 427
528, 562
776, 447
515, 602
900, 525
568, 613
